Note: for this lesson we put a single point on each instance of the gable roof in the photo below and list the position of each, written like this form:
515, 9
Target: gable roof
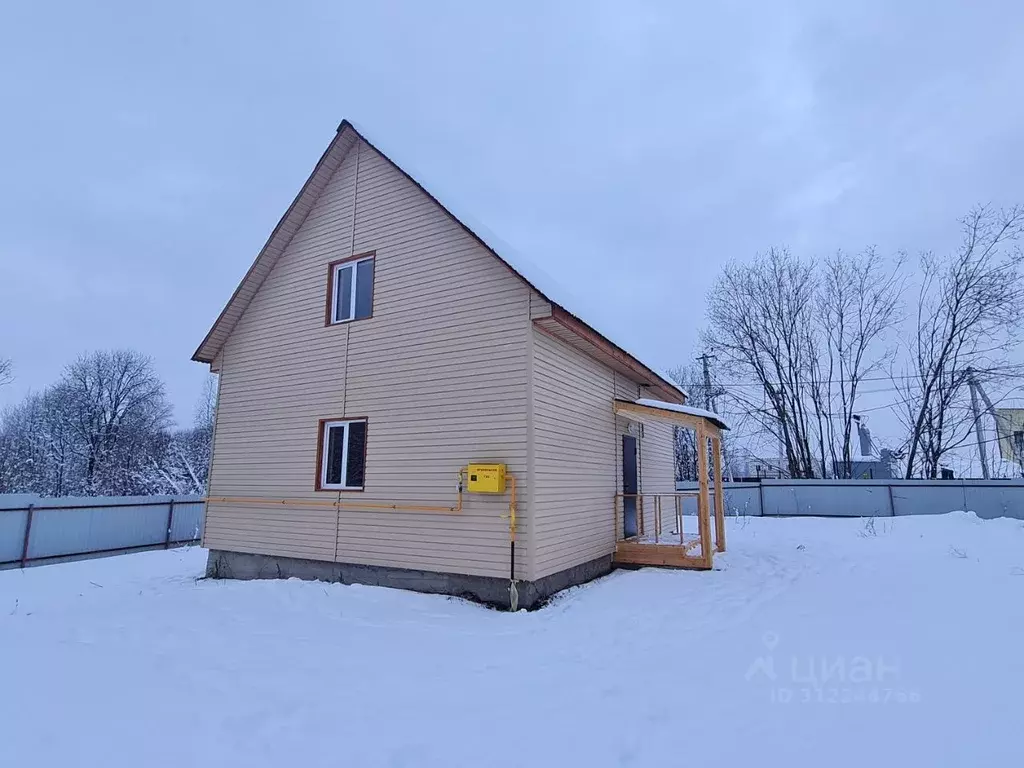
345, 138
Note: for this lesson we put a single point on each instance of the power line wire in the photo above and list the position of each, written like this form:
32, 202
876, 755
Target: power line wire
1013, 368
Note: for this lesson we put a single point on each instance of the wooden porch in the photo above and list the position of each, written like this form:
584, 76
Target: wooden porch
674, 529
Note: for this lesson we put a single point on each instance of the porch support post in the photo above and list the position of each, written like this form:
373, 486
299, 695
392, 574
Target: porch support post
716, 451
703, 505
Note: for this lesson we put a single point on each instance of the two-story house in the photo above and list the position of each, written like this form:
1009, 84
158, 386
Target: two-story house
377, 347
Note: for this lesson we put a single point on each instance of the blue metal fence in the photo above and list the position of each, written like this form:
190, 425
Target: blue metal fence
872, 498
34, 529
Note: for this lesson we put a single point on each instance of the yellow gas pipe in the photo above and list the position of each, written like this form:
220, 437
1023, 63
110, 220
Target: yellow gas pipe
513, 591
343, 504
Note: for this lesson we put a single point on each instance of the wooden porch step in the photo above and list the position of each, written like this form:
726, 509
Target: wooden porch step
669, 555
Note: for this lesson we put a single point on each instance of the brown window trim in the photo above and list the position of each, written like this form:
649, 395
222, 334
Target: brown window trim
328, 315
318, 484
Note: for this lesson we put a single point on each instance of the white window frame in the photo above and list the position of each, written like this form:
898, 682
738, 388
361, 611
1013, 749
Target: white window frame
336, 285
324, 452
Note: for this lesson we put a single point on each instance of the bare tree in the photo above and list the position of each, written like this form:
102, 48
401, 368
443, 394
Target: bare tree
806, 337
37, 448
19, 433
761, 320
184, 466
859, 300
6, 371
202, 429
114, 404
969, 316
690, 381
206, 405
104, 428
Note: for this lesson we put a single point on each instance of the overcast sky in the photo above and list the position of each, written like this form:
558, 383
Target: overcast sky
629, 148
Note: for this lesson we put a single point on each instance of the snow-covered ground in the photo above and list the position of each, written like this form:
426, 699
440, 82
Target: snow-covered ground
814, 642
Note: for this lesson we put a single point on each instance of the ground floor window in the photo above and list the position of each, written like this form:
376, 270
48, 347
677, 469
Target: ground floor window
342, 455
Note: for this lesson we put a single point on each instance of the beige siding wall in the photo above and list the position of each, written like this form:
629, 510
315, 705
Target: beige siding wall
657, 473
539, 307
440, 371
578, 456
624, 388
575, 439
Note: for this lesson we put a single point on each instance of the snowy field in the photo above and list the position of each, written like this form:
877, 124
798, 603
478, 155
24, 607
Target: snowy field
814, 642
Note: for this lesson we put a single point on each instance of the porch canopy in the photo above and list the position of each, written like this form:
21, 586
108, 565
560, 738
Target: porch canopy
680, 415
640, 549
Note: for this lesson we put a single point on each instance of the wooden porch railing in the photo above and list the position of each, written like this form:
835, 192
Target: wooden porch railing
661, 536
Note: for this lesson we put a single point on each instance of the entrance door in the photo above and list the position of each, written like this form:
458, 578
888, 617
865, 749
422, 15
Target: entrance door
629, 486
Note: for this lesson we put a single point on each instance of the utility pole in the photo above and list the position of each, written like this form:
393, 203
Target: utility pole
988, 406
708, 394
711, 395
972, 384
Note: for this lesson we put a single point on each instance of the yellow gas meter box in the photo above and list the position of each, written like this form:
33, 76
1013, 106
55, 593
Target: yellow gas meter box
486, 478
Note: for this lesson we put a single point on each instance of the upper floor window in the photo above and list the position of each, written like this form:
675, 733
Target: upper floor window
350, 289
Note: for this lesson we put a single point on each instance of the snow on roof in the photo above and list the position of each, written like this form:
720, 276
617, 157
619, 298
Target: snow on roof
525, 267
688, 410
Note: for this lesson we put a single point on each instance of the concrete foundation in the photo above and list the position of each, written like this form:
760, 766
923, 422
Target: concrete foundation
489, 590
